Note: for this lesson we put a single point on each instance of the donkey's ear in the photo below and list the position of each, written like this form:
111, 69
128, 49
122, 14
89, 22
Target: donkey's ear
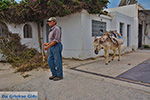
95, 39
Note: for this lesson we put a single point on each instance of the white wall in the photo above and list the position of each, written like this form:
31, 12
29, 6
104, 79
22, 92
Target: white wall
71, 35
30, 42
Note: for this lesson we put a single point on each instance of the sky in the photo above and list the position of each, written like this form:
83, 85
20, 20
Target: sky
115, 3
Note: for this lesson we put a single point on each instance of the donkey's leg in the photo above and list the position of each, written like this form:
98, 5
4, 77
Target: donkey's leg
114, 53
106, 56
105, 53
119, 51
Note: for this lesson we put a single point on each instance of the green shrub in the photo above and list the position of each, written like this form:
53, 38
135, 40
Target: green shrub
146, 46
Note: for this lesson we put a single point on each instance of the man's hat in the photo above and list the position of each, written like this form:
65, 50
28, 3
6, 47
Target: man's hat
51, 19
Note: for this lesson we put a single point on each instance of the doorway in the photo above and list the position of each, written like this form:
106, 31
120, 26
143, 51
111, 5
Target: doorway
128, 35
140, 36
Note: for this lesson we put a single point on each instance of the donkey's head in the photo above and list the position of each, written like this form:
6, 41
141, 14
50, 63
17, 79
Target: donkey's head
97, 45
104, 37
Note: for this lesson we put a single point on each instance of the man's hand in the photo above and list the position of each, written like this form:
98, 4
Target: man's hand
49, 45
46, 44
46, 48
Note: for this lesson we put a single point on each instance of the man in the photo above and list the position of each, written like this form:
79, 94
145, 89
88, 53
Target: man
55, 49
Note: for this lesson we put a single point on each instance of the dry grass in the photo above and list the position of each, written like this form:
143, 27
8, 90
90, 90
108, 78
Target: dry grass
19, 56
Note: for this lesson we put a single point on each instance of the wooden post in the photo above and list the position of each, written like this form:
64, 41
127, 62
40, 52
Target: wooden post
40, 41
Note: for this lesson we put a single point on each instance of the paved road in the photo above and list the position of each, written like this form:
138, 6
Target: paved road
82, 86
141, 73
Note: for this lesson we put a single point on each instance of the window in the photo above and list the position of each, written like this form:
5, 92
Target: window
27, 30
98, 28
121, 28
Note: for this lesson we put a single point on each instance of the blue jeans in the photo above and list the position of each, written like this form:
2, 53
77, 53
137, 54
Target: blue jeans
55, 60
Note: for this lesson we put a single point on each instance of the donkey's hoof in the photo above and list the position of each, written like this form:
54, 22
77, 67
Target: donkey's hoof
109, 61
118, 59
112, 59
106, 63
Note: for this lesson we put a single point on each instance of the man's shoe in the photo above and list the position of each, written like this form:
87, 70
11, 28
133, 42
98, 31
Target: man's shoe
52, 77
57, 78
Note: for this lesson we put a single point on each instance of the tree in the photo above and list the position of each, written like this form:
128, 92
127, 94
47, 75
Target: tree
38, 10
4, 4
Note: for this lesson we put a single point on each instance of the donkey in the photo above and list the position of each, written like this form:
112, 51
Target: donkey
107, 43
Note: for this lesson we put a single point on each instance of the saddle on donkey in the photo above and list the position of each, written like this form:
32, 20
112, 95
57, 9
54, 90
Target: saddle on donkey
116, 37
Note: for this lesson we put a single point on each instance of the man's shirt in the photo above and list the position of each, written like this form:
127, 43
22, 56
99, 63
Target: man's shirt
55, 34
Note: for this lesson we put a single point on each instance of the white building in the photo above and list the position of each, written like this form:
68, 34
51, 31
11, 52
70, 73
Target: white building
79, 30
127, 21
139, 33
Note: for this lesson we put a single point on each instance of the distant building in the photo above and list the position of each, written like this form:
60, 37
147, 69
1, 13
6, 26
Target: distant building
143, 16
